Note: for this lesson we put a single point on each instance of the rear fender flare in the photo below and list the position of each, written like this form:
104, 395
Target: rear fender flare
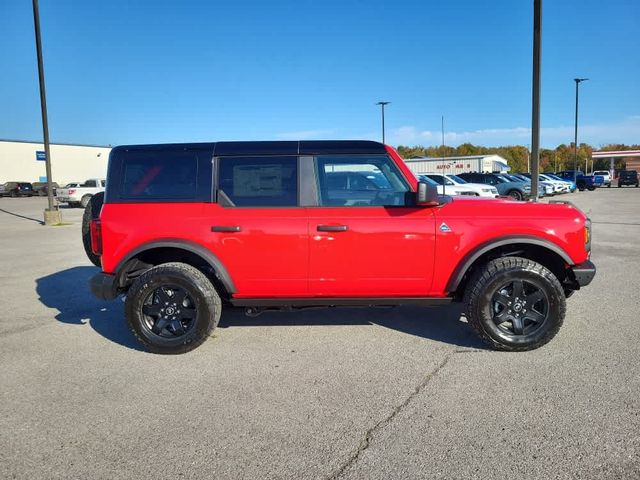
212, 260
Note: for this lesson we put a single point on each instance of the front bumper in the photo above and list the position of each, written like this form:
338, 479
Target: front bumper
584, 273
103, 286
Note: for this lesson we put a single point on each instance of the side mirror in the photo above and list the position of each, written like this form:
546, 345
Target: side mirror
427, 195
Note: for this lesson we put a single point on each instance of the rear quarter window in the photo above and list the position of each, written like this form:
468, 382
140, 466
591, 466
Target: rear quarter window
159, 174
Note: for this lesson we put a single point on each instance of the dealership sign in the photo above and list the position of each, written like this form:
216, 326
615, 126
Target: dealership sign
40, 156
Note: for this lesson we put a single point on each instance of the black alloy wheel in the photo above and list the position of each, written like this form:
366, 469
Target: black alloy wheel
169, 312
519, 308
172, 308
515, 303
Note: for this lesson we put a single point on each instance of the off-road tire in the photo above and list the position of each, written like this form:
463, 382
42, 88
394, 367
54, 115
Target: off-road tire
200, 290
91, 212
488, 280
516, 195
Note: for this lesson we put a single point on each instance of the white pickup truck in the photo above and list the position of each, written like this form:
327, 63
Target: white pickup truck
80, 196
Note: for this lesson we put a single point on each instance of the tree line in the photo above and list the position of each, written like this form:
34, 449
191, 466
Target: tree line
551, 160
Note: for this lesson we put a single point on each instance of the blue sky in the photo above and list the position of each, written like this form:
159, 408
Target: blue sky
163, 71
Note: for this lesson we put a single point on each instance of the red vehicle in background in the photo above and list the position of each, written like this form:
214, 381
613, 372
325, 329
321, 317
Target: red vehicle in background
186, 228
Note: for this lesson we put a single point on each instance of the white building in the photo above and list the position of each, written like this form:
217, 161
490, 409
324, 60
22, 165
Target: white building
472, 163
21, 162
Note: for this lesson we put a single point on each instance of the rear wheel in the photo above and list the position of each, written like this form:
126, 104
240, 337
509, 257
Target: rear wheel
91, 212
515, 304
515, 194
172, 308
591, 188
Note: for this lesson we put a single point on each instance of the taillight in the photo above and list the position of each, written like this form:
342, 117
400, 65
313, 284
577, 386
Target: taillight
71, 191
96, 237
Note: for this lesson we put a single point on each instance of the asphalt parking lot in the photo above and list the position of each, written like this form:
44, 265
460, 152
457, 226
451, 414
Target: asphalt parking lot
341, 393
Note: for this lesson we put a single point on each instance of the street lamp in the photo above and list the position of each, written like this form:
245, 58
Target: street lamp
382, 104
575, 138
52, 215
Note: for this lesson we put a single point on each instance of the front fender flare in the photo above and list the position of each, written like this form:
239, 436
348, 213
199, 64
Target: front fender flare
469, 259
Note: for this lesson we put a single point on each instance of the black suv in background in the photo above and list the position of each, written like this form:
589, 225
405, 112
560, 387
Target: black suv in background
16, 189
628, 177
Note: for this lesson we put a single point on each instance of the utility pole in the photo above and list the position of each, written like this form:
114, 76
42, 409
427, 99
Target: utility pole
51, 214
444, 178
534, 158
382, 104
575, 136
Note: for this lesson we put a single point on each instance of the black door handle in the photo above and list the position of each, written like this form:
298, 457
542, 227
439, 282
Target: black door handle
332, 228
225, 228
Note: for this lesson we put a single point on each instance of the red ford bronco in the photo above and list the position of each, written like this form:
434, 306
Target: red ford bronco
188, 228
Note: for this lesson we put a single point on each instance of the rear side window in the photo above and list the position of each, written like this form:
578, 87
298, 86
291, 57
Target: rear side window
258, 181
159, 175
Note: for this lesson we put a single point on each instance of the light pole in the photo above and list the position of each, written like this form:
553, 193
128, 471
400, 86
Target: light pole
51, 214
382, 104
534, 155
575, 136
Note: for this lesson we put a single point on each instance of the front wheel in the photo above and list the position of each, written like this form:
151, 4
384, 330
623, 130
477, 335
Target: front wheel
515, 304
515, 194
172, 308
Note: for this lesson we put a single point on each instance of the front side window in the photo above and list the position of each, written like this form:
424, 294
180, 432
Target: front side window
259, 181
365, 181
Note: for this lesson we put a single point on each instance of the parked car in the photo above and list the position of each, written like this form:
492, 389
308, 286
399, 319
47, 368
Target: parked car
40, 188
606, 177
559, 186
184, 231
544, 190
627, 177
505, 187
457, 186
572, 186
483, 190
80, 196
16, 189
582, 181
552, 187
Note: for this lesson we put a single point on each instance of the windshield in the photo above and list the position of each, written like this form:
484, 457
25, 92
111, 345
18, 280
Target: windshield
554, 177
502, 178
457, 179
